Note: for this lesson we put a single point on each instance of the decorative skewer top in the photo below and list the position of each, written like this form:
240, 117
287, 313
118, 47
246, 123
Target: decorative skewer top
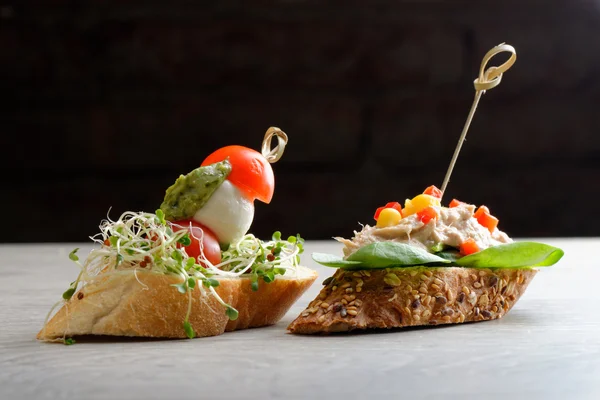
273, 155
488, 79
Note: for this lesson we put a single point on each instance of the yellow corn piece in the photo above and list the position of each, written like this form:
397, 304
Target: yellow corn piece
388, 217
419, 203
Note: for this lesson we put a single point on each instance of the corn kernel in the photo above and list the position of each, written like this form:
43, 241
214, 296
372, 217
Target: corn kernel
388, 217
419, 203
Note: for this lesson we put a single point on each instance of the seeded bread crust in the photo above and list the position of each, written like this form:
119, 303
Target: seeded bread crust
146, 305
415, 296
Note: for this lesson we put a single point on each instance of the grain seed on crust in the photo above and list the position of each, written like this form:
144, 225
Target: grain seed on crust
352, 312
427, 300
447, 311
461, 297
392, 279
484, 300
486, 314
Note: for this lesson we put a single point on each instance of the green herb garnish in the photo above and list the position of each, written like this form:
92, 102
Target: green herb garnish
73, 255
189, 331
232, 313
68, 293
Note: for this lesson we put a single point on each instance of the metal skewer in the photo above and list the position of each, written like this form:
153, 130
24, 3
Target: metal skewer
488, 79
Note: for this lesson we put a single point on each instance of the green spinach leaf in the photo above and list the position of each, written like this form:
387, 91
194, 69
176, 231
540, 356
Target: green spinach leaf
391, 254
513, 255
381, 255
329, 260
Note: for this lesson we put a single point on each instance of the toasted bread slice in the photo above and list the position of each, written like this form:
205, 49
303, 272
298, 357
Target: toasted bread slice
413, 296
145, 304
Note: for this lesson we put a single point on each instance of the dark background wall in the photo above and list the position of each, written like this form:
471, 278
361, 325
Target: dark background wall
106, 102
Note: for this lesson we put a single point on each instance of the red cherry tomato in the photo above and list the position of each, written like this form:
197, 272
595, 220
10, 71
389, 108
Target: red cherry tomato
210, 245
250, 171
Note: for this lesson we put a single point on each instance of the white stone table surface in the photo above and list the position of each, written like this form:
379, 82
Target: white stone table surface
547, 347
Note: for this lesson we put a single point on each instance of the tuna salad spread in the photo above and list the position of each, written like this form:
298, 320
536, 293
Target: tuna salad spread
431, 228
425, 233
425, 224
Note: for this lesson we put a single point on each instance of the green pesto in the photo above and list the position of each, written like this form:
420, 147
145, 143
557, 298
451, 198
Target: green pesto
190, 192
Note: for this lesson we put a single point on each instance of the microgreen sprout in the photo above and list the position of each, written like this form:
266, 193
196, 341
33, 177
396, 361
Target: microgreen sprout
145, 241
68, 341
189, 331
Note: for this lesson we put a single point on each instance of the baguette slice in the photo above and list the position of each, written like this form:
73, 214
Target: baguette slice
413, 296
146, 305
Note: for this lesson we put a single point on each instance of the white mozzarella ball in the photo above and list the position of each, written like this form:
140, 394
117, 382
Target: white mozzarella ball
227, 213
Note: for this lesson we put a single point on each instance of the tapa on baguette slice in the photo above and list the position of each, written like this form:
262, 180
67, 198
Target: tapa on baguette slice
147, 305
411, 296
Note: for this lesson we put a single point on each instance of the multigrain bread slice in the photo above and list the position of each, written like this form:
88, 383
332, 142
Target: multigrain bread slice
144, 304
412, 296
